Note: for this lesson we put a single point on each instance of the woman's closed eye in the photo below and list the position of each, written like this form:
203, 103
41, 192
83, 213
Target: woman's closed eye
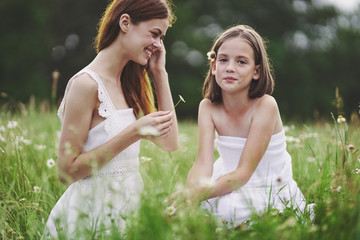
156, 35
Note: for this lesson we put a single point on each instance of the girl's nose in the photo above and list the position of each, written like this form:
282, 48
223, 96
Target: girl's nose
230, 66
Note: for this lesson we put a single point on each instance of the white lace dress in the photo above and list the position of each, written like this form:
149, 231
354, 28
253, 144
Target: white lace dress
271, 184
110, 194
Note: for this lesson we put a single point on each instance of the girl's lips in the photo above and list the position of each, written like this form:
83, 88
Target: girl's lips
230, 79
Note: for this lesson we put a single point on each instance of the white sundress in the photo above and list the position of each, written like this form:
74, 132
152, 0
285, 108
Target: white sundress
106, 197
271, 185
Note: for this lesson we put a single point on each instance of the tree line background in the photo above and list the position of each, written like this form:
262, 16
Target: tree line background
314, 50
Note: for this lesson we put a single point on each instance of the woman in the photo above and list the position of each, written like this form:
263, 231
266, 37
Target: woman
105, 110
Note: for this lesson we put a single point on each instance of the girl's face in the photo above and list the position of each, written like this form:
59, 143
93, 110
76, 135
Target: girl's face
235, 68
145, 38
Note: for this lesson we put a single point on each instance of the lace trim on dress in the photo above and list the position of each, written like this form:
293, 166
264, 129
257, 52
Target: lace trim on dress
114, 172
106, 106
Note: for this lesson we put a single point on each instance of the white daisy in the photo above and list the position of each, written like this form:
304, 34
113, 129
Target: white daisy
170, 210
12, 124
50, 163
37, 189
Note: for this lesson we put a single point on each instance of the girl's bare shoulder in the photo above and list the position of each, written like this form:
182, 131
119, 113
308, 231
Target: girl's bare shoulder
206, 104
267, 102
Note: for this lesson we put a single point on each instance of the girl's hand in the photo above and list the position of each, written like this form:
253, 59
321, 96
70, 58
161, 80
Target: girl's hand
154, 125
157, 61
190, 196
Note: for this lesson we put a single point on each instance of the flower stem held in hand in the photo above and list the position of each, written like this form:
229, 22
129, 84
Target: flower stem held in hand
181, 99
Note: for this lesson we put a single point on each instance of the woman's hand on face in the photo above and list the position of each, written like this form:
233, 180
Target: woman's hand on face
154, 125
157, 60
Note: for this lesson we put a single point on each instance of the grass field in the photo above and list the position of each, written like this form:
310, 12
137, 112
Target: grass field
325, 165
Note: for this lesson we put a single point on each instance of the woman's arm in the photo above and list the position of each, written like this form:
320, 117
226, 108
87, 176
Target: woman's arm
160, 78
261, 130
81, 104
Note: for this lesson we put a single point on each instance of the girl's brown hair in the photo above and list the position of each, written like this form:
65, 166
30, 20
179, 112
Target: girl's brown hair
135, 80
265, 83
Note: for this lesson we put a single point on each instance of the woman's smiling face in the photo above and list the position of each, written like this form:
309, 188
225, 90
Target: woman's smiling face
144, 38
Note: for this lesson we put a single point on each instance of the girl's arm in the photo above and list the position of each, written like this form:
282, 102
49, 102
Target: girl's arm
81, 103
203, 166
160, 78
261, 130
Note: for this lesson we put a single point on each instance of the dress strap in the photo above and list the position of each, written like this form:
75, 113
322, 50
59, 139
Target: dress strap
106, 105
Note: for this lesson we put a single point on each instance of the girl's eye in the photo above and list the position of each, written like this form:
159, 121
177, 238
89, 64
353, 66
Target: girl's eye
241, 62
222, 60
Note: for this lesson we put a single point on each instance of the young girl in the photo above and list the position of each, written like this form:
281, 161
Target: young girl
106, 107
254, 170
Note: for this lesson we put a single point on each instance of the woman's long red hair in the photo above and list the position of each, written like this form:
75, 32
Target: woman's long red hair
134, 78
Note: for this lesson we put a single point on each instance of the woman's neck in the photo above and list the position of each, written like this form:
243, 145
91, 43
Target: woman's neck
109, 61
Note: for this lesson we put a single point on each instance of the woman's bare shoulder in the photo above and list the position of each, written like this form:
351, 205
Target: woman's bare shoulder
83, 83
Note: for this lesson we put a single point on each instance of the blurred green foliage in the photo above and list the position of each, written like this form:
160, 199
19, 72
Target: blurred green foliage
313, 48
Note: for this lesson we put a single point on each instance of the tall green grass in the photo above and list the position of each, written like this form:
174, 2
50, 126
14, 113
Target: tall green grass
324, 167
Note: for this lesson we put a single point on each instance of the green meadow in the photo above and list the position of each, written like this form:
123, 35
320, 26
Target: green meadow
326, 166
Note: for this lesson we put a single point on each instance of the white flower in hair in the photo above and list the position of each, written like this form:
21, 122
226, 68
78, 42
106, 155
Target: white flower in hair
211, 55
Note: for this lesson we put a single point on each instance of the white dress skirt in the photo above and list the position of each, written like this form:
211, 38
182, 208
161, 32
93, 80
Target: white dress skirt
271, 185
104, 199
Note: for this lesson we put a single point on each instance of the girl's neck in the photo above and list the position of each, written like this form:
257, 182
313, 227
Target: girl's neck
237, 103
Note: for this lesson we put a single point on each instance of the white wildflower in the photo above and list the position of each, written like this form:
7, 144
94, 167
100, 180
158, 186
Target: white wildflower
12, 124
149, 131
341, 119
311, 159
292, 139
19, 139
357, 171
35, 204
27, 141
183, 138
311, 135
22, 200
2, 150
2, 129
2, 139
182, 99
350, 147
39, 147
37, 189
170, 210
211, 55
338, 188
145, 159
50, 163
286, 128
